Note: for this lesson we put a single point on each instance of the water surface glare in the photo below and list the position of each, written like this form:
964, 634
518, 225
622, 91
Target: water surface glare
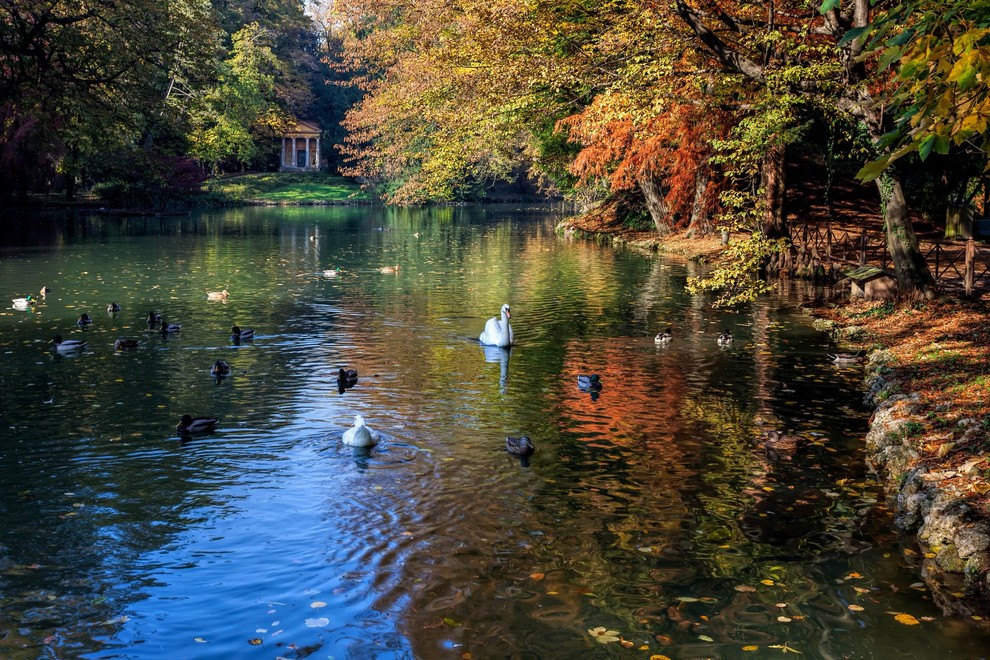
650, 520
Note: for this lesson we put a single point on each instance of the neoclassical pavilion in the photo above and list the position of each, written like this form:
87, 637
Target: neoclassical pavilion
301, 146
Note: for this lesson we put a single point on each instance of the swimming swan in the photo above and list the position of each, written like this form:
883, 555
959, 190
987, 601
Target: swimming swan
360, 435
498, 332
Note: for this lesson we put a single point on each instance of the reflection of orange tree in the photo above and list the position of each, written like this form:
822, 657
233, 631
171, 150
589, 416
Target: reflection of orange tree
634, 421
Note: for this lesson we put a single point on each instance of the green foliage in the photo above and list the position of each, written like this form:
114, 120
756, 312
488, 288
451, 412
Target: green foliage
232, 119
940, 50
738, 279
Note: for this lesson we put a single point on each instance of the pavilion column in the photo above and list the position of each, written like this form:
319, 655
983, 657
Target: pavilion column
284, 147
307, 155
317, 153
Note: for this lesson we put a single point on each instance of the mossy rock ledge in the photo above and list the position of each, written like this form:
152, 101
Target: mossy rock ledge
929, 502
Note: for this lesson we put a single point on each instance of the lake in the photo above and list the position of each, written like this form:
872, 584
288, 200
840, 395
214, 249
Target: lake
650, 521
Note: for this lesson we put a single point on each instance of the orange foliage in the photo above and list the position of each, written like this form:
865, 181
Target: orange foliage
675, 145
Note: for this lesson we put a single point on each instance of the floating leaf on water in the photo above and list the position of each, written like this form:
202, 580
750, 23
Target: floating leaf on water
744, 588
626, 643
861, 590
687, 599
918, 585
604, 636
317, 623
856, 608
751, 648
769, 583
705, 638
451, 622
254, 642
784, 619
537, 576
199, 640
781, 605
657, 656
906, 619
317, 603
784, 648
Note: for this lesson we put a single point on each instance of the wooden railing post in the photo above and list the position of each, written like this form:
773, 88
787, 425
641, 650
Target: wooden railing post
970, 265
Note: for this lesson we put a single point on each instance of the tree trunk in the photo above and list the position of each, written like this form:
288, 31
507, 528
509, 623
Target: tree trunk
656, 204
774, 182
698, 226
910, 267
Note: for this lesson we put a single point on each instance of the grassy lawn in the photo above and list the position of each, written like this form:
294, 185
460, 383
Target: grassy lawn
287, 188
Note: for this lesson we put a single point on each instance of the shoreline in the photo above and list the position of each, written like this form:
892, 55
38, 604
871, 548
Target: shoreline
928, 381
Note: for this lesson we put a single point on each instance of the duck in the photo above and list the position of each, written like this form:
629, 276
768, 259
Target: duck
217, 295
725, 338
780, 446
169, 327
113, 308
663, 337
84, 320
45, 290
498, 332
123, 344
220, 368
846, 358
237, 335
520, 446
360, 435
189, 425
349, 376
592, 382
330, 272
153, 318
389, 269
23, 303
67, 345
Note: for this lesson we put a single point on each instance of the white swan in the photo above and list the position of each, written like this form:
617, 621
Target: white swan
498, 332
360, 435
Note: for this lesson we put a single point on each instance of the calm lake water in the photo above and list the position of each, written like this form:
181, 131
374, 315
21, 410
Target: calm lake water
649, 521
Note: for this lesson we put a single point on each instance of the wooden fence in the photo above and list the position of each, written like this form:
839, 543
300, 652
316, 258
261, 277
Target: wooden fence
956, 265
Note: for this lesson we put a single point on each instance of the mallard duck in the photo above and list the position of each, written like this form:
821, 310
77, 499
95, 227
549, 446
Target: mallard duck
347, 376
168, 328
520, 446
22, 303
498, 332
189, 425
124, 344
45, 290
360, 435
592, 382
389, 269
663, 337
220, 368
779, 446
725, 338
84, 320
237, 335
113, 308
67, 345
153, 318
846, 358
217, 295
330, 272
